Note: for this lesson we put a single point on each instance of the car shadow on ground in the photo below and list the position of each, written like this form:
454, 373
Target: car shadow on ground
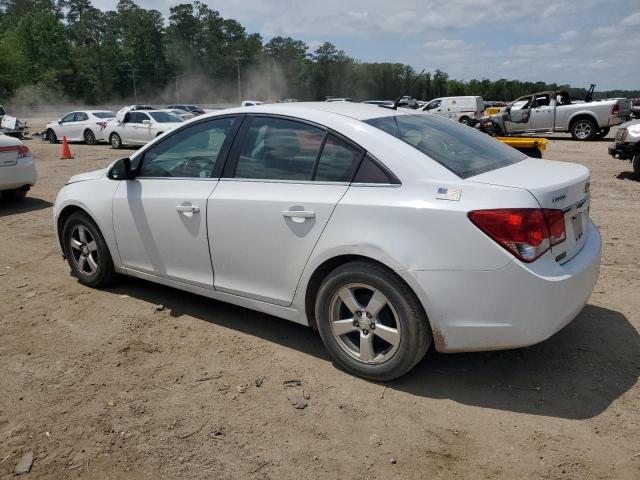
23, 205
627, 176
576, 374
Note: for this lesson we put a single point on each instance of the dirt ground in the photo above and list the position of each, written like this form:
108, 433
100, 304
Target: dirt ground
98, 384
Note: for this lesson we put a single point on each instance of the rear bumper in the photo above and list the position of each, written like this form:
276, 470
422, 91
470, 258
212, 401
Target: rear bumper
516, 306
623, 151
22, 174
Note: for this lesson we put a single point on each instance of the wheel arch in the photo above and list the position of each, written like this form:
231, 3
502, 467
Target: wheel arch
322, 270
65, 213
582, 116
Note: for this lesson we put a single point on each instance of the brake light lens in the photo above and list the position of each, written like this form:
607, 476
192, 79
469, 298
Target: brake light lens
23, 151
615, 109
527, 233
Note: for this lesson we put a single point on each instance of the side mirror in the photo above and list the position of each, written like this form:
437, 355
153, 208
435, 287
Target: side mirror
121, 170
60, 122
146, 122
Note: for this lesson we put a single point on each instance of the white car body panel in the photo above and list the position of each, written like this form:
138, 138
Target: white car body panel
477, 295
15, 172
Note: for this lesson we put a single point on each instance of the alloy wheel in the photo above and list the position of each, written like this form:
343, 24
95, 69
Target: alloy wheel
583, 130
365, 323
84, 250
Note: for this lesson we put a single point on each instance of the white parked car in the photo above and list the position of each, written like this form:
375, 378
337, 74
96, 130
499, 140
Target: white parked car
81, 126
138, 127
385, 230
460, 109
17, 168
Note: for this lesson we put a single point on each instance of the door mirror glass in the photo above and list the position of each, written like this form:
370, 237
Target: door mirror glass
121, 170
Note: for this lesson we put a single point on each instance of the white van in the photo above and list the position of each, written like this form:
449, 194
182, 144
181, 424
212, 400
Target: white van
460, 109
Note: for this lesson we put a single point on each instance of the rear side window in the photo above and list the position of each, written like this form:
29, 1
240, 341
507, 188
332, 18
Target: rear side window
370, 171
279, 149
338, 161
463, 150
105, 114
81, 117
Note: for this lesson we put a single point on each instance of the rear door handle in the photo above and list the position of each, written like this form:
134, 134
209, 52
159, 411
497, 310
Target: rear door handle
188, 208
298, 214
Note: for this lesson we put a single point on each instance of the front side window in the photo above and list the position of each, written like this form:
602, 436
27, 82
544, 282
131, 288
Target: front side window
69, 117
279, 149
192, 152
139, 117
463, 150
81, 117
522, 103
434, 104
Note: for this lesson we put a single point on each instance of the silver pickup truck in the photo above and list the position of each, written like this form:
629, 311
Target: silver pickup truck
557, 112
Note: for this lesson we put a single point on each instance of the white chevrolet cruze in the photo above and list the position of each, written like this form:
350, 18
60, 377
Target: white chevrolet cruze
385, 230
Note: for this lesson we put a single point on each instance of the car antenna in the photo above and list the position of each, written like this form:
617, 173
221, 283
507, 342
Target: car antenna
396, 102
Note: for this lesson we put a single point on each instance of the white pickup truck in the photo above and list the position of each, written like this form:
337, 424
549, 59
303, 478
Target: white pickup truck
557, 112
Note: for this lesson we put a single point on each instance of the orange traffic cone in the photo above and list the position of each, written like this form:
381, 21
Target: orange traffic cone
66, 152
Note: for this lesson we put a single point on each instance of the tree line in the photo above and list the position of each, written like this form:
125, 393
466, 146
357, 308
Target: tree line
68, 49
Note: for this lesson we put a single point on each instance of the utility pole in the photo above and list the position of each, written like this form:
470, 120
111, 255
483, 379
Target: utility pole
237, 59
135, 92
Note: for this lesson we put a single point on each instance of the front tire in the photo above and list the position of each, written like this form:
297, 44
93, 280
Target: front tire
89, 137
371, 322
86, 251
464, 120
115, 140
636, 165
583, 129
603, 132
51, 136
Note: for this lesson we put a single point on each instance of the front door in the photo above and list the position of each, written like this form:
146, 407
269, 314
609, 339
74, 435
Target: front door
518, 118
282, 184
160, 217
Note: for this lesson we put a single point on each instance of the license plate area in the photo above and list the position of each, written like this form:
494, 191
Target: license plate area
576, 220
577, 226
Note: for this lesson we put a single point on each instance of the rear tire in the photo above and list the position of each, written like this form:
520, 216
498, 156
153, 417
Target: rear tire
51, 136
371, 322
14, 194
89, 137
115, 140
583, 129
636, 165
86, 251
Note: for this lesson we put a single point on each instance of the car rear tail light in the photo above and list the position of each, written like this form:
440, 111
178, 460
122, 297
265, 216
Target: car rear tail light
615, 109
525, 232
555, 222
23, 151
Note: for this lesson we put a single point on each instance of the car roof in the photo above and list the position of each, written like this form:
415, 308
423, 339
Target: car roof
357, 111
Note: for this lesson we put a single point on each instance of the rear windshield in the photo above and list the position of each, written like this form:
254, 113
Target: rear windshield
105, 114
165, 117
463, 150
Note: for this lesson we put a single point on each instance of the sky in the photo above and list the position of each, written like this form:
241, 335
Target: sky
561, 41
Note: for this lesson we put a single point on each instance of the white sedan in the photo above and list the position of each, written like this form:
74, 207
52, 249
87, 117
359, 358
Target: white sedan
81, 126
138, 127
383, 229
17, 168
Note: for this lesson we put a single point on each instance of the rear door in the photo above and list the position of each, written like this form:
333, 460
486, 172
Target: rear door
160, 217
280, 187
543, 113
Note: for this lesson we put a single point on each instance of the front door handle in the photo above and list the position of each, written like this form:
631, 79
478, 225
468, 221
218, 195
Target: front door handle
188, 208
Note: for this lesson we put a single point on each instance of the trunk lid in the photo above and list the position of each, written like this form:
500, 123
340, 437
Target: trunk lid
555, 185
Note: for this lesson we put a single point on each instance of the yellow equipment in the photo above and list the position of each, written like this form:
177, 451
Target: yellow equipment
528, 145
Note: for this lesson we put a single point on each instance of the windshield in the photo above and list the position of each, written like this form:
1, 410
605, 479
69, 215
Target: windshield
105, 114
165, 117
463, 150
